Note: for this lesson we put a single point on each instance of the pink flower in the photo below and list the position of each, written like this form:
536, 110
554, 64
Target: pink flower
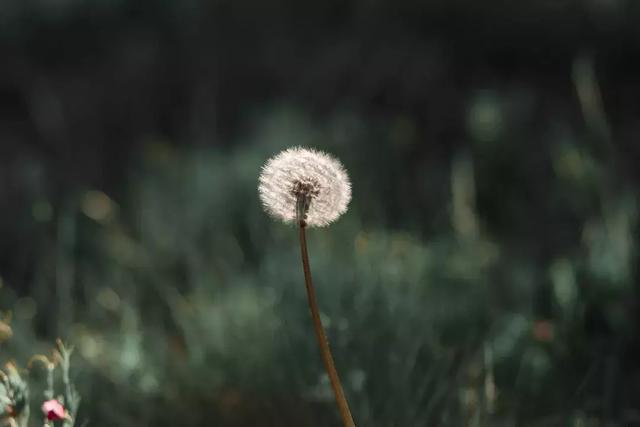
54, 410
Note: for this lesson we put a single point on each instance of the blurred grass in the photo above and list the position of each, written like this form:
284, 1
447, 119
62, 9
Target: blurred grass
186, 304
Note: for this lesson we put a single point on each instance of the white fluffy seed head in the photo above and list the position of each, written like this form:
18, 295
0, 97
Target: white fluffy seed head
318, 177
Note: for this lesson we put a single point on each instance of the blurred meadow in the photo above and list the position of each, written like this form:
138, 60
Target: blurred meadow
485, 274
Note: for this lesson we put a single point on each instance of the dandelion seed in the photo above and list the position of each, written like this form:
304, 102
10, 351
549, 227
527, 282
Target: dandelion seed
306, 184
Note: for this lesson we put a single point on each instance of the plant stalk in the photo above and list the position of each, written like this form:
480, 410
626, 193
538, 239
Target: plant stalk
325, 352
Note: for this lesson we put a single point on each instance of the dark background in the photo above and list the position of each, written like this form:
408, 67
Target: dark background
485, 274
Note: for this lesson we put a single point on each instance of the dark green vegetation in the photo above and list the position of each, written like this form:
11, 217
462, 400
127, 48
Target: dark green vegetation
486, 273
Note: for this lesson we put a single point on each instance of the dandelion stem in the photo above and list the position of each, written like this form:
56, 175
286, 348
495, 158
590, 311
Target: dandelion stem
327, 359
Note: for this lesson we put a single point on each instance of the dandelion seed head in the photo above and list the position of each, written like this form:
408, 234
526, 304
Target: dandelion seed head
316, 177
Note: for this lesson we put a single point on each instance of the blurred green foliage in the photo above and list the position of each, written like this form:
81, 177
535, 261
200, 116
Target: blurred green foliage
186, 302
484, 275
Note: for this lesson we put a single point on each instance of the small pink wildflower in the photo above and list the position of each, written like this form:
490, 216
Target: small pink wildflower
54, 410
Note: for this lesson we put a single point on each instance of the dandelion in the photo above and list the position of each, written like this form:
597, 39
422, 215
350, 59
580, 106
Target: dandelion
310, 183
311, 188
